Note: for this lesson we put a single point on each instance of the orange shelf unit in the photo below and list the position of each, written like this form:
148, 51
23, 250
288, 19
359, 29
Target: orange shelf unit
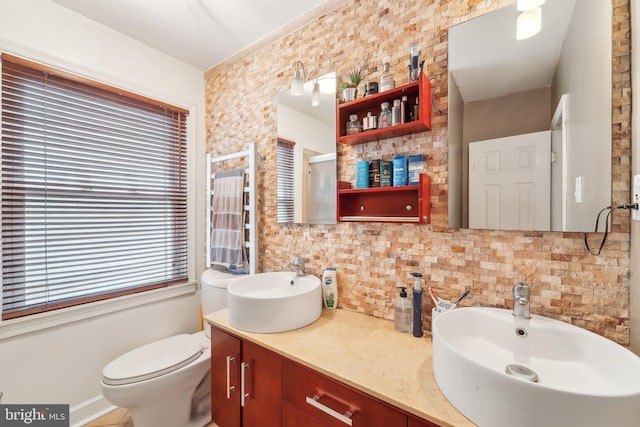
406, 204
420, 90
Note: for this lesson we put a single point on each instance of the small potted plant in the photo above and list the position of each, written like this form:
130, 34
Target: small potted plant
350, 85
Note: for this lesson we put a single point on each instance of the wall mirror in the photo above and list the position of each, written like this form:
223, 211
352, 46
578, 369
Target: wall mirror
306, 154
530, 120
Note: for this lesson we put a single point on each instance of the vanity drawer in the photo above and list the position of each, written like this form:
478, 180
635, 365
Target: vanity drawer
332, 403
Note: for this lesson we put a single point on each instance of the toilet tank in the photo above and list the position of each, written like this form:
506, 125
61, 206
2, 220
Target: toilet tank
214, 290
213, 293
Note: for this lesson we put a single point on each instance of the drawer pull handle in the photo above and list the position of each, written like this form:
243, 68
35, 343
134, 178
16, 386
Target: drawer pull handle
345, 418
230, 388
244, 394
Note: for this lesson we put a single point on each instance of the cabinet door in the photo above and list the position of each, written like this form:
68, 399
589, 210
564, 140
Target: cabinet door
334, 403
415, 422
225, 381
294, 417
260, 380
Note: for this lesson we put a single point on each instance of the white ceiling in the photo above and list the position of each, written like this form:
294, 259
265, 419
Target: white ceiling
202, 33
487, 61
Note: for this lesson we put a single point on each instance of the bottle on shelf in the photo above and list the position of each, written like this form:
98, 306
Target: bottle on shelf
414, 61
407, 110
353, 125
385, 116
386, 81
396, 113
369, 122
399, 171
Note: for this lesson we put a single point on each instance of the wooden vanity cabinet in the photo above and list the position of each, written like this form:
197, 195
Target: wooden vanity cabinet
415, 422
245, 383
294, 417
255, 387
333, 404
225, 397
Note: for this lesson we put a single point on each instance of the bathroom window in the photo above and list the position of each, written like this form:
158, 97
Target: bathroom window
94, 191
285, 181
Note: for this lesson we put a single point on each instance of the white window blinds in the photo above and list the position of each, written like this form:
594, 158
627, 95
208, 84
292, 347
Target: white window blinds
94, 193
285, 181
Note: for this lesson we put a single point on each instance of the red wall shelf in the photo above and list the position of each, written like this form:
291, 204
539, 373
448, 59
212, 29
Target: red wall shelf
420, 90
406, 204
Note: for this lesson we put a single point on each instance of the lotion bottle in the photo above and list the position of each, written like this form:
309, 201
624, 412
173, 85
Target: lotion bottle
402, 312
330, 288
417, 304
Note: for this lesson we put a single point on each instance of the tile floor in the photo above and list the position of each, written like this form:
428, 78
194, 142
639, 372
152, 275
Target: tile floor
118, 418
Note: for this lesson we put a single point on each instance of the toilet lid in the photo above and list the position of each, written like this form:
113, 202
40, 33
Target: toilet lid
152, 360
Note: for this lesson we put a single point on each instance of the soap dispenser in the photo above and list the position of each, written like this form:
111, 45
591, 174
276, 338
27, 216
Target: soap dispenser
402, 311
417, 304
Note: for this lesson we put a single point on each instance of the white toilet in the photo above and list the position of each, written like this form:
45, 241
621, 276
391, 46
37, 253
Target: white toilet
166, 383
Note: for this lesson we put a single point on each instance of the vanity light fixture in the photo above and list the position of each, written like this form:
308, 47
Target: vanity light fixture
297, 82
526, 5
327, 85
529, 23
315, 94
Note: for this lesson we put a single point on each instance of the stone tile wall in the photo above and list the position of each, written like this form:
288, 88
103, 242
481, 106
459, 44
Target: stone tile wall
372, 259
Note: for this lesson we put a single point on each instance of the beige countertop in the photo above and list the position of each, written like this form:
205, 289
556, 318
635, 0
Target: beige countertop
366, 353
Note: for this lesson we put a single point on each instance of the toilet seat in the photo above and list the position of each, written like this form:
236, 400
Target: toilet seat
153, 360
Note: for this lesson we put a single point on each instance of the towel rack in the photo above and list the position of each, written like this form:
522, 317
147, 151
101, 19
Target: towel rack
250, 171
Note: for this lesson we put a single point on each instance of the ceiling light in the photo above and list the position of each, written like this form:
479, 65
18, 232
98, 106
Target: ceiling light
525, 5
529, 24
297, 82
315, 94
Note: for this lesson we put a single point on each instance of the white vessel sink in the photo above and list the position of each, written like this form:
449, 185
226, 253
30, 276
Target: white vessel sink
274, 302
583, 379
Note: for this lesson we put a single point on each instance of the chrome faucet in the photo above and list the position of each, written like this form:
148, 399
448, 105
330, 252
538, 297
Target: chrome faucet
521, 300
297, 266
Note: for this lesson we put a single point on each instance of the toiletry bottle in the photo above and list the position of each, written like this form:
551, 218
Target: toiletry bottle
402, 312
353, 125
417, 304
386, 173
396, 113
374, 173
385, 116
403, 110
414, 61
330, 288
362, 174
386, 81
399, 171
415, 167
416, 110
407, 115
369, 122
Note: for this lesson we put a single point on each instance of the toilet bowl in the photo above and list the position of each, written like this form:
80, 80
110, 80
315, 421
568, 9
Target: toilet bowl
166, 383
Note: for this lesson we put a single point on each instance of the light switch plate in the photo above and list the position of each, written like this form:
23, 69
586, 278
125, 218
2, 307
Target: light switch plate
635, 198
578, 190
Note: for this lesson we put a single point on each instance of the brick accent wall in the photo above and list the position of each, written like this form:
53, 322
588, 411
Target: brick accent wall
372, 259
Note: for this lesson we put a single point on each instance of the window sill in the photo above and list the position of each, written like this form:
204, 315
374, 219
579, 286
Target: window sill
38, 322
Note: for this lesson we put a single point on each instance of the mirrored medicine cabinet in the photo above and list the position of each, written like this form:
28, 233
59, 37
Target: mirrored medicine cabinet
306, 154
530, 121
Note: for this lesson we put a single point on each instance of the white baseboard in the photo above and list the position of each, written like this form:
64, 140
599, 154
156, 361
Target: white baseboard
89, 410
